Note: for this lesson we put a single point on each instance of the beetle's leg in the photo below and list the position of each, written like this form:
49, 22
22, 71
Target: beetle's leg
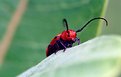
57, 46
62, 45
70, 45
78, 40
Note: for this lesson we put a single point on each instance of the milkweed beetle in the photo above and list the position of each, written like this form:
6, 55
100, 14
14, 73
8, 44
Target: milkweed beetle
67, 38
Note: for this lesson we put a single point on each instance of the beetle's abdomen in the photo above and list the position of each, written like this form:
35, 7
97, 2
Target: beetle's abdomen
52, 47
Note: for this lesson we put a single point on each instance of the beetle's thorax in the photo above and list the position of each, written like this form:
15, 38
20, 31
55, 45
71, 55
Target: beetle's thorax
69, 35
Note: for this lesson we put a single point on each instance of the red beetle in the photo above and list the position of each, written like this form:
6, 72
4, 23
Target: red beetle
66, 38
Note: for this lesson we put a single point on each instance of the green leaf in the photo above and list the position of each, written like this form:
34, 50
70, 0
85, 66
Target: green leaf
42, 21
99, 57
7, 8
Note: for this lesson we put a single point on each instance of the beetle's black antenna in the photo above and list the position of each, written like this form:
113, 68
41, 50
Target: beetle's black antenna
66, 24
90, 21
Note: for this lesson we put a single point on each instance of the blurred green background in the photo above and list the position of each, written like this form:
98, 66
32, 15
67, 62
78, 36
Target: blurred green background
113, 15
42, 20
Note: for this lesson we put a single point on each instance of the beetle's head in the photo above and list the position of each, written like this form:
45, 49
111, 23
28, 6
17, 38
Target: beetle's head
68, 35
